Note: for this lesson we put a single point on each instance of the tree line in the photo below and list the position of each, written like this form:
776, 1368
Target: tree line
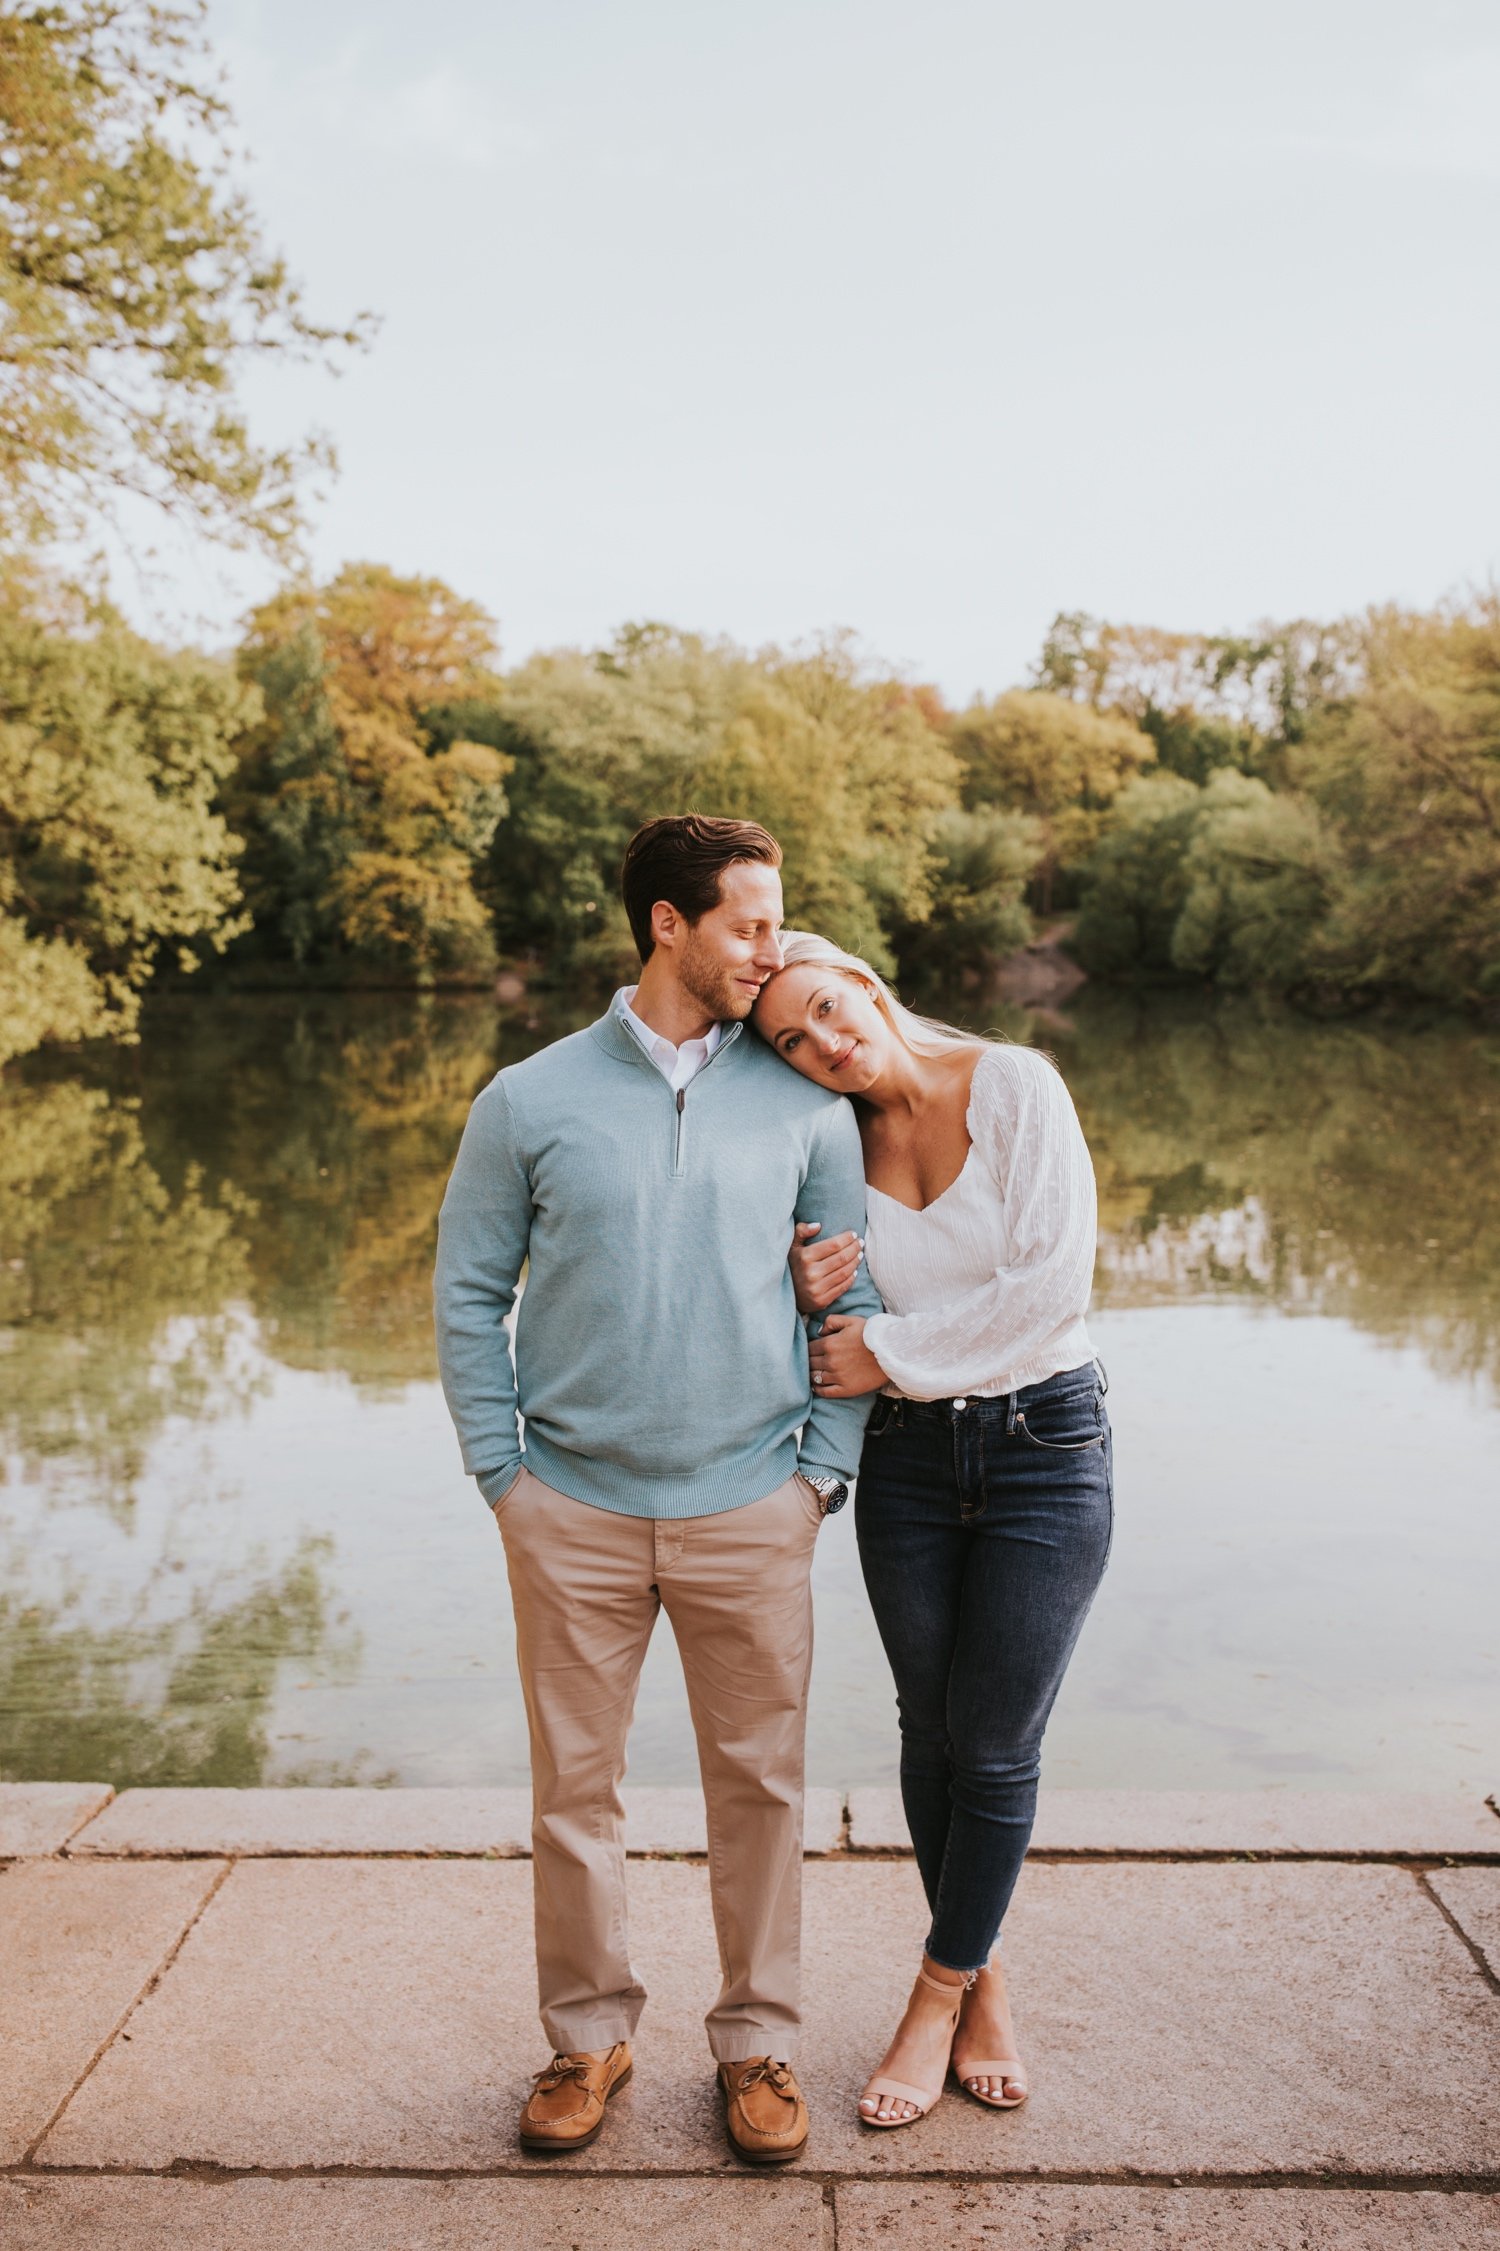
362, 795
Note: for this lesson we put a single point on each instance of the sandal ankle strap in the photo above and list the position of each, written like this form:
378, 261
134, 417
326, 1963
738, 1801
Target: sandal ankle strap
942, 1985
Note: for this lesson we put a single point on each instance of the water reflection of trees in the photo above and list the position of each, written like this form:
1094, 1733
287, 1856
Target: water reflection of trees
1347, 1169
284, 1158
113, 1285
147, 1700
345, 1113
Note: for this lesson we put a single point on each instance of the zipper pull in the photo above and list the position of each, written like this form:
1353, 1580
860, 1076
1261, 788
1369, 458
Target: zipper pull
681, 1098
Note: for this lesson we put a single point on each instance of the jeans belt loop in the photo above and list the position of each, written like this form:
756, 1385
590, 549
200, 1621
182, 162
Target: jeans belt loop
1010, 1413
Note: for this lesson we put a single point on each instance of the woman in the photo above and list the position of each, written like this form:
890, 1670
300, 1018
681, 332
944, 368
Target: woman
985, 1487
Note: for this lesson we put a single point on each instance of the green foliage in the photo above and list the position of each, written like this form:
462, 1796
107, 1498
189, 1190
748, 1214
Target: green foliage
1061, 762
1230, 881
1259, 871
1135, 882
982, 864
134, 285
846, 767
600, 744
111, 753
1407, 775
1344, 834
364, 830
1315, 810
1195, 745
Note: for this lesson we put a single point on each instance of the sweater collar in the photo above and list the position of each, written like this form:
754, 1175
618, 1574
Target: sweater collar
617, 1039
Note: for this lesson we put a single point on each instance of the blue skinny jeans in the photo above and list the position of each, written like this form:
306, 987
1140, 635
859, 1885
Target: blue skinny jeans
984, 1528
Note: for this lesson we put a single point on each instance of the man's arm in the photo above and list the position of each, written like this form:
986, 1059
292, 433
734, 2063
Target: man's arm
834, 1195
483, 1232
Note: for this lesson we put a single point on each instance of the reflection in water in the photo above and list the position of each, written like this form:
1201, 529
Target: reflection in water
238, 1547
113, 1287
181, 1699
1335, 1169
337, 1117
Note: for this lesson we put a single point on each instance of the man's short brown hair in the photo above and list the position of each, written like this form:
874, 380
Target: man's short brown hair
681, 858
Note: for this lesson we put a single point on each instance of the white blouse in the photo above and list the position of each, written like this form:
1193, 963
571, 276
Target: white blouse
988, 1287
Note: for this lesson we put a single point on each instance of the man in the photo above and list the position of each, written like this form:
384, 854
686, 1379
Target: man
651, 1169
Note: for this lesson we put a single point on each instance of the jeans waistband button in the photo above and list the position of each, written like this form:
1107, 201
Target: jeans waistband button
959, 1406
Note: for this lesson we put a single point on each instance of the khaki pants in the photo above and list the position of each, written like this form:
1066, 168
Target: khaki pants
587, 1584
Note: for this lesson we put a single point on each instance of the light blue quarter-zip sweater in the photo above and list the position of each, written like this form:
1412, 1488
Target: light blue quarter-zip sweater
660, 1363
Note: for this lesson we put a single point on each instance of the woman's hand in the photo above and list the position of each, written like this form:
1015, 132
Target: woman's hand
841, 1366
821, 1272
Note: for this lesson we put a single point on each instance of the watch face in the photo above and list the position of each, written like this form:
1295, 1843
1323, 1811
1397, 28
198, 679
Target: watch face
835, 1500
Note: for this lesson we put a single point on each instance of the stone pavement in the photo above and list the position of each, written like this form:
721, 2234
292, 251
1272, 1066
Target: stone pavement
265, 2018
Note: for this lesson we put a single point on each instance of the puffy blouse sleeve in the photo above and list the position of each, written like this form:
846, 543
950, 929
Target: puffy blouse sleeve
1026, 1131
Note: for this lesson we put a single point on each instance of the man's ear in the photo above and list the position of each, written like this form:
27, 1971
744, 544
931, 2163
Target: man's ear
666, 924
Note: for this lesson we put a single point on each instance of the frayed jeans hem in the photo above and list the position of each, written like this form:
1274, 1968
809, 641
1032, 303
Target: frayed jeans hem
962, 1969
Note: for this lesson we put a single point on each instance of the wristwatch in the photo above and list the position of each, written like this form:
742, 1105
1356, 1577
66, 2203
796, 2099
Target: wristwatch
831, 1491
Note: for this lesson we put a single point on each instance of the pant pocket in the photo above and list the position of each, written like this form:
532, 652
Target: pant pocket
498, 1508
811, 1502
1070, 1424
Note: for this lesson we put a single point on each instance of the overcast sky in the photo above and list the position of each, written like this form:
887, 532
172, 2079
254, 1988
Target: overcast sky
928, 320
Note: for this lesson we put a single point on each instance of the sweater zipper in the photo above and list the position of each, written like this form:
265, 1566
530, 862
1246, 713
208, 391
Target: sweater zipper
679, 1146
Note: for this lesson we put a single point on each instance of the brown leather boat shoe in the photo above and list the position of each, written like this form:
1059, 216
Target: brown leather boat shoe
764, 2114
565, 2109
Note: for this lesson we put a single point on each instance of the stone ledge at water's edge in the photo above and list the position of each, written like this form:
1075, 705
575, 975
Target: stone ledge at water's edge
88, 1821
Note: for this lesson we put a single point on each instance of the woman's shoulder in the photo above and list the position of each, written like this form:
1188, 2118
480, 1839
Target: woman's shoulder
1006, 1071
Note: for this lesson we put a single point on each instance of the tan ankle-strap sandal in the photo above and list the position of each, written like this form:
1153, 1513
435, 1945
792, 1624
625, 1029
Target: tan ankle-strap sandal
922, 2097
1005, 2067
996, 2067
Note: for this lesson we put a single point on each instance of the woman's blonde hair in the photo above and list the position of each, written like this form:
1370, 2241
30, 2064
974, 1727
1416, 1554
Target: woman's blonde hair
924, 1035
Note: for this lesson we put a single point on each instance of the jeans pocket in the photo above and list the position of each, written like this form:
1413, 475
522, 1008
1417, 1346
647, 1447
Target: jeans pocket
1071, 1424
883, 1416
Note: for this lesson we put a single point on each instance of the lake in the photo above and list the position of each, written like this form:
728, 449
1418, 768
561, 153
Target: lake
236, 1545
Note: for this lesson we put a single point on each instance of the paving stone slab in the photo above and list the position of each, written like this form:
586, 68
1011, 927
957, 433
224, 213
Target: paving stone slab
77, 1945
1213, 2018
561, 2213
1472, 1898
382, 2013
1311, 1824
152, 1824
37, 1818
1216, 2017
990, 2216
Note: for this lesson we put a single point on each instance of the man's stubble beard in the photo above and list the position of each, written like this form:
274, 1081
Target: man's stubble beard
710, 982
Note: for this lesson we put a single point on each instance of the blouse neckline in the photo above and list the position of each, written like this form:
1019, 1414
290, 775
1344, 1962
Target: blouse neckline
920, 1211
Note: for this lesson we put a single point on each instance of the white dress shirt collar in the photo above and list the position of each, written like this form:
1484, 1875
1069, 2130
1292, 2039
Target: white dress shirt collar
677, 1065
